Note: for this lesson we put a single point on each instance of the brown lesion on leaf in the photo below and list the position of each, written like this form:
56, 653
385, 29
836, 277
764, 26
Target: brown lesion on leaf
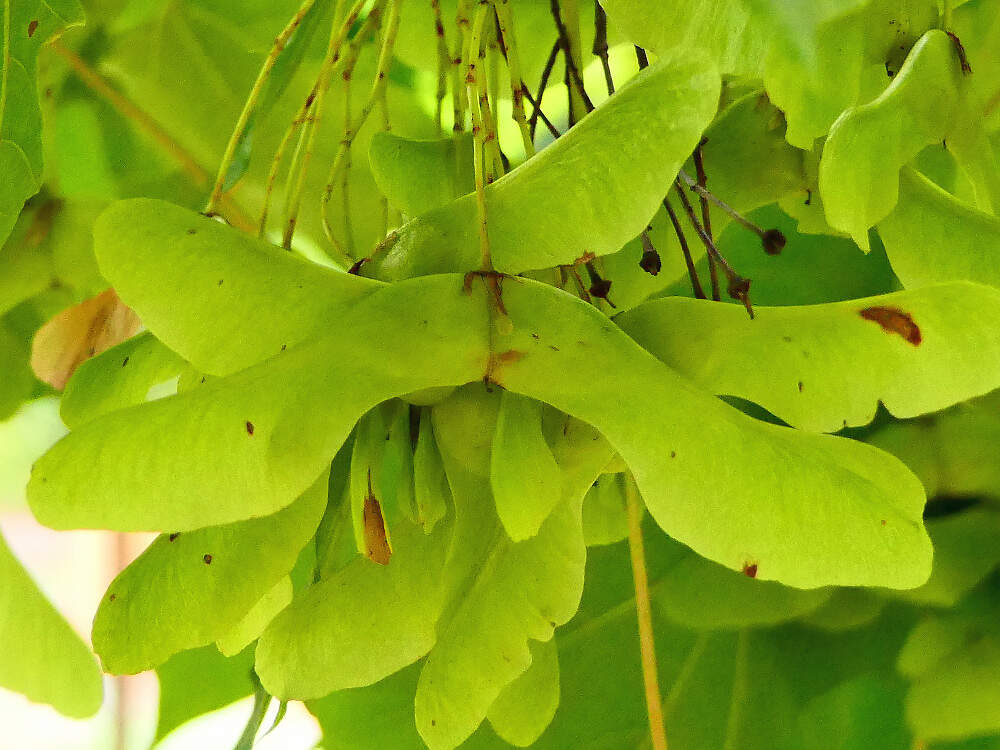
207, 559
894, 320
112, 597
960, 50
173, 536
750, 569
250, 428
32, 27
377, 545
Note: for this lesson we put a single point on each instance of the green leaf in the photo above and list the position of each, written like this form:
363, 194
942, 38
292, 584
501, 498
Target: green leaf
117, 378
920, 350
699, 594
430, 485
190, 589
16, 378
846, 609
604, 520
723, 28
817, 521
932, 236
419, 176
813, 268
260, 298
195, 682
371, 718
25, 26
276, 428
248, 629
824, 57
867, 145
525, 707
862, 713
960, 697
502, 594
545, 212
26, 266
360, 625
966, 550
950, 453
524, 475
44, 659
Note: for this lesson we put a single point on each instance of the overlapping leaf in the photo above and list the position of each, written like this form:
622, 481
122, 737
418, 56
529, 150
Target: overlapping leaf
25, 27
718, 482
545, 212
921, 351
190, 589
867, 146
932, 237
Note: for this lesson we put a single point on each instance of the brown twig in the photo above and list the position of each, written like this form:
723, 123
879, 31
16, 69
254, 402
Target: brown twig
542, 84
706, 217
738, 287
682, 239
571, 70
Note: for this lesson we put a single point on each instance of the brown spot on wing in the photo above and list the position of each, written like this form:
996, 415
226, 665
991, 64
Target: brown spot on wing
32, 27
750, 570
377, 545
894, 320
207, 559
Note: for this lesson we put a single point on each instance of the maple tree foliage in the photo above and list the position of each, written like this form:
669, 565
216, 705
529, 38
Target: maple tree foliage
517, 372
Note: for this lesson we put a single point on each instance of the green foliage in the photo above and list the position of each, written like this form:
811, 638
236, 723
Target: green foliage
401, 465
45, 659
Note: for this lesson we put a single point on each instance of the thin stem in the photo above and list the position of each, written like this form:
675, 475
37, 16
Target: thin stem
600, 48
143, 122
647, 644
337, 36
739, 287
688, 260
772, 239
444, 62
381, 77
472, 79
571, 58
458, 92
383, 106
491, 139
542, 84
345, 177
946, 14
568, 24
539, 113
505, 22
301, 117
706, 218
251, 103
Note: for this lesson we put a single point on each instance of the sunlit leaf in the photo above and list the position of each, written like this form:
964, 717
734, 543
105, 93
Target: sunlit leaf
188, 589
867, 145
632, 145
706, 485
920, 350
43, 658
